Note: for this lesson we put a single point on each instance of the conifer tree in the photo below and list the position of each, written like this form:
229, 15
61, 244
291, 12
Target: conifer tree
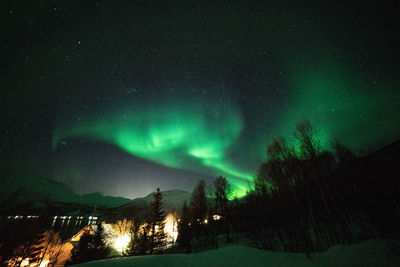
100, 249
81, 253
90, 247
184, 232
156, 223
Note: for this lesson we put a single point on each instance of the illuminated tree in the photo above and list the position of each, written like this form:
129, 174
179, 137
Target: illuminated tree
32, 246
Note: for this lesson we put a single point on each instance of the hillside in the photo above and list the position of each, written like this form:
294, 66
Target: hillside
24, 191
172, 201
374, 177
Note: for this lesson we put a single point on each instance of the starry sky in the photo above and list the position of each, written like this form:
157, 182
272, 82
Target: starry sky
121, 97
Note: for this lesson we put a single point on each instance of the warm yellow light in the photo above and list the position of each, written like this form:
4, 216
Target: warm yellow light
44, 263
216, 217
121, 242
171, 227
25, 262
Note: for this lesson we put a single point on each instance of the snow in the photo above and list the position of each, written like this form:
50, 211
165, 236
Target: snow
368, 253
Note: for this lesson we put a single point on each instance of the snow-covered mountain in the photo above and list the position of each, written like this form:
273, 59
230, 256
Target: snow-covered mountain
20, 189
172, 201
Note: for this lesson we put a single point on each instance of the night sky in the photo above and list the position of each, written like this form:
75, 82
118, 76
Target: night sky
122, 97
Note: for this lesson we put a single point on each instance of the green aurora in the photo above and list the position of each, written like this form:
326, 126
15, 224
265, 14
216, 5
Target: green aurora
200, 136
174, 135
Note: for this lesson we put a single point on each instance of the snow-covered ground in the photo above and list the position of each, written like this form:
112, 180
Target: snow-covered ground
368, 253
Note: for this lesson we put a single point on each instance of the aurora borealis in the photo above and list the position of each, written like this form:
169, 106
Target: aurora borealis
122, 97
182, 135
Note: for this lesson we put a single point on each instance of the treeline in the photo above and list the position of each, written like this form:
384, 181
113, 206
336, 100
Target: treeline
206, 220
307, 199
146, 233
202, 222
139, 235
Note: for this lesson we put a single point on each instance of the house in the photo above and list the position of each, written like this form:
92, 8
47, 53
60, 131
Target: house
66, 248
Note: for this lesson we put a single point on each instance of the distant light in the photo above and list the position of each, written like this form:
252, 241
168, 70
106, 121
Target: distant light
216, 217
205, 221
121, 242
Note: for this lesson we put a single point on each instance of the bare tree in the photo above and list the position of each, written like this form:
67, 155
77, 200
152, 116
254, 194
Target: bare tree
198, 202
306, 136
343, 154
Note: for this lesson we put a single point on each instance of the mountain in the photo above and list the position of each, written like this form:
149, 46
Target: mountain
22, 191
172, 201
106, 201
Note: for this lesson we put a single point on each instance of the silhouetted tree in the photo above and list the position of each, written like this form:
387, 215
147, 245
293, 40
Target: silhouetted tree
198, 202
156, 223
184, 230
13, 235
343, 154
32, 248
222, 191
100, 249
90, 247
134, 245
82, 252
198, 213
306, 136
140, 242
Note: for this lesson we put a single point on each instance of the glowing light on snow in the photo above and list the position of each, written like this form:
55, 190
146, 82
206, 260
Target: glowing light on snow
44, 263
171, 227
121, 243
